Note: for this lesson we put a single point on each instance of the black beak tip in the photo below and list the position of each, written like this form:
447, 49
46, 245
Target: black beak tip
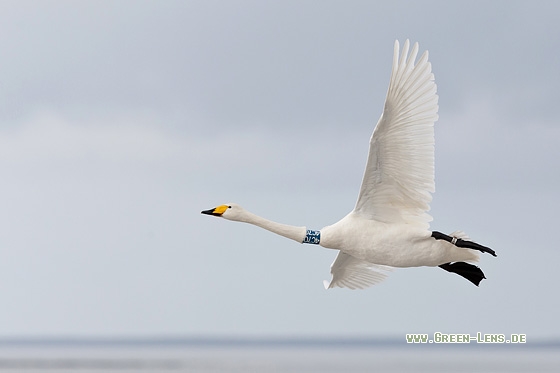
207, 212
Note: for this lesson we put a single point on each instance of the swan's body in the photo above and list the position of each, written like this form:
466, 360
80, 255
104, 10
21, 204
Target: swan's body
389, 227
396, 245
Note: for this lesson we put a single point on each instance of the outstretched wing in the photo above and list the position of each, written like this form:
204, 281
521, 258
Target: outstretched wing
399, 176
352, 273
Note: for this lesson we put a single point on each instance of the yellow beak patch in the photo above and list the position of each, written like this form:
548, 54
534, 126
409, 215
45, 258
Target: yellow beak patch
218, 211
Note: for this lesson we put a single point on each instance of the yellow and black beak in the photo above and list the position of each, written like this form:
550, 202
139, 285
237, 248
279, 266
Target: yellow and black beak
218, 211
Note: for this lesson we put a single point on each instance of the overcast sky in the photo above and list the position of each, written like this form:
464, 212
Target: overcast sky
121, 120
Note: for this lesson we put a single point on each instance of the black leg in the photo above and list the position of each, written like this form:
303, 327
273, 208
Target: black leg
474, 246
463, 243
440, 236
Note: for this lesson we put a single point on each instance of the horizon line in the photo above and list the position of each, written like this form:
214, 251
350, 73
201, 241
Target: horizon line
244, 341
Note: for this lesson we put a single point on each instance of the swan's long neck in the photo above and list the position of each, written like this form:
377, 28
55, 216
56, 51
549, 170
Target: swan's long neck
289, 231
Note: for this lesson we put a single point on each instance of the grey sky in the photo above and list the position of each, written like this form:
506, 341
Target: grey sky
121, 121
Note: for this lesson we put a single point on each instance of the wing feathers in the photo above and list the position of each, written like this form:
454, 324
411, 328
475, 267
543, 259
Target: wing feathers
349, 272
399, 176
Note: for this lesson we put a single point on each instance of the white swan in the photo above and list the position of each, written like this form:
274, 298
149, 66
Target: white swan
389, 227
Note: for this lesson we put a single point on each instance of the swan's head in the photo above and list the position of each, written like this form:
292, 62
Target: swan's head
230, 211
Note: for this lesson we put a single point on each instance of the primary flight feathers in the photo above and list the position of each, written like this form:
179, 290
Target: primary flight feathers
399, 176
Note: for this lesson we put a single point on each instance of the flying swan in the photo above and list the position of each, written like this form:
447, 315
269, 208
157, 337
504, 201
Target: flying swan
389, 227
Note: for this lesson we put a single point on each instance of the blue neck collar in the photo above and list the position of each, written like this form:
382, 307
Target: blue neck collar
312, 237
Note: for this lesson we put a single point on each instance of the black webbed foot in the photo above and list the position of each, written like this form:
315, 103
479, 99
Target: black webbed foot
468, 271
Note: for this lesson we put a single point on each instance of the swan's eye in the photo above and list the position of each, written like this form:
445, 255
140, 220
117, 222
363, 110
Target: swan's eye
229, 207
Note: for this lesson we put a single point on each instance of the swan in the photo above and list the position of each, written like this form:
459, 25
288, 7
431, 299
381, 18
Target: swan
389, 226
